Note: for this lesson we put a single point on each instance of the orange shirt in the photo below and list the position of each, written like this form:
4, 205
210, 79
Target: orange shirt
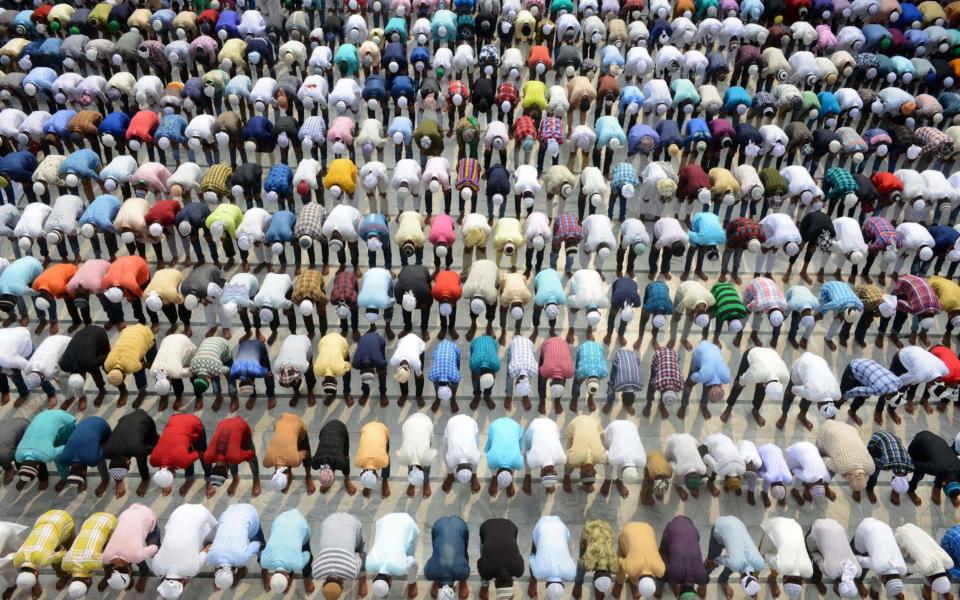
54, 280
446, 286
950, 359
129, 273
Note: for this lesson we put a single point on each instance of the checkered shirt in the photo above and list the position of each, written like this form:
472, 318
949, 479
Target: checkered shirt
951, 544
85, 122
551, 128
915, 296
888, 452
521, 358
446, 363
216, 178
665, 370
763, 295
523, 128
344, 289
566, 229
879, 233
851, 141
838, 295
591, 361
310, 221
838, 182
871, 295
874, 378
741, 230
457, 87
507, 92
624, 174
556, 361
309, 286
51, 530
85, 556
314, 128
934, 141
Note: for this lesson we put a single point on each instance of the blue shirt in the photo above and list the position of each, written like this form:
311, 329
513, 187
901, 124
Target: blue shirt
549, 288
449, 562
951, 543
101, 212
376, 289
944, 237
281, 227
17, 278
483, 355
838, 296
624, 291
708, 365
446, 363
252, 360
288, 547
706, 230
591, 361
504, 445
656, 299
85, 444
238, 538
370, 352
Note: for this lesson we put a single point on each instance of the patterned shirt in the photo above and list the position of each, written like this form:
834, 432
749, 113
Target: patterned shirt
85, 556
457, 87
314, 128
216, 178
555, 360
838, 182
310, 220
874, 379
591, 361
551, 128
211, 358
888, 452
624, 373
915, 296
763, 295
483, 355
879, 233
567, 230
43, 546
838, 295
523, 128
951, 544
344, 289
624, 174
741, 230
665, 370
446, 363
934, 141
729, 306
507, 92
872, 295
309, 286
521, 358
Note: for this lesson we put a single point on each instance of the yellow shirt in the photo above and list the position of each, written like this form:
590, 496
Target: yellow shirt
166, 283
129, 349
638, 553
46, 543
332, 352
585, 442
658, 466
341, 172
372, 447
514, 290
85, 556
507, 230
947, 291
410, 228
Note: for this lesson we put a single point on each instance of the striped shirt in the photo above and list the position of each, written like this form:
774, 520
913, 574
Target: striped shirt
211, 358
85, 556
551, 128
889, 453
624, 373
341, 548
468, 173
44, 545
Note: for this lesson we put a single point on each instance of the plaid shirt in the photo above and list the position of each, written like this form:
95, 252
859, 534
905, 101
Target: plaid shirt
344, 289
216, 178
763, 295
309, 286
567, 230
555, 360
446, 363
879, 233
665, 370
314, 128
85, 122
44, 544
915, 296
591, 361
871, 295
934, 141
888, 452
838, 295
551, 128
85, 556
874, 378
521, 358
507, 92
838, 182
741, 230
523, 128
951, 545
310, 221
624, 174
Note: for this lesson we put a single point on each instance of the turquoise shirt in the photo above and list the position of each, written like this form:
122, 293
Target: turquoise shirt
483, 355
504, 443
549, 288
284, 550
706, 230
45, 438
17, 278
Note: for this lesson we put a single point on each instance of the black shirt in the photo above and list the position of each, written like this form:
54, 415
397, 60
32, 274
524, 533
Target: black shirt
500, 557
134, 435
86, 351
932, 454
482, 94
813, 224
333, 448
415, 278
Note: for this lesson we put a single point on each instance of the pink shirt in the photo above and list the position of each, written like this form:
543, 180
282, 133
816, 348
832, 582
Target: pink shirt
128, 539
441, 230
152, 174
556, 362
341, 130
89, 277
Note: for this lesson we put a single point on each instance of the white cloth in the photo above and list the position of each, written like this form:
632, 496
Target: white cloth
552, 561
874, 540
526, 180
46, 358
813, 380
922, 366
15, 346
587, 290
181, 555
789, 557
668, 230
766, 365
294, 352
11, 535
926, 556
31, 220
915, 236
774, 467
64, 215
273, 292
393, 547
254, 225
542, 444
806, 464
633, 231
417, 436
537, 223
780, 229
829, 548
343, 218
683, 453
722, 457
173, 356
597, 231
624, 447
461, 442
409, 348
849, 236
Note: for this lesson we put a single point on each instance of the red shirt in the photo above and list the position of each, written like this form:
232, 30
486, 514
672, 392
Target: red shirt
950, 359
142, 126
555, 359
227, 444
163, 212
446, 286
175, 448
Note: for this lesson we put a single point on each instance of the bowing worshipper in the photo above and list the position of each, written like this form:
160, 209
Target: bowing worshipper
412, 291
132, 351
480, 290
598, 557
133, 438
339, 233
932, 455
393, 554
625, 456
171, 366
948, 292
584, 450
442, 235
370, 359
16, 347
775, 474
204, 285
925, 557
210, 363
340, 555
639, 559
685, 572
87, 282
784, 550
180, 445
271, 299
286, 553
51, 535
671, 240
708, 367
507, 240
863, 378
548, 298
332, 455
522, 367
484, 365
445, 374
590, 369
43, 442
913, 297
163, 293
810, 473
729, 309
657, 305
183, 549
916, 367
514, 297
288, 449
446, 291
411, 234
803, 306
373, 454
848, 245
237, 300
16, 280
231, 446
877, 550
43, 366
598, 241
586, 292
84, 449
11, 536
344, 296
813, 381
550, 559
665, 378
889, 454
407, 359
544, 453
691, 302
125, 279
239, 538
689, 470
416, 452
742, 234
310, 298
624, 379
555, 367
332, 361
461, 452
504, 453
944, 390
762, 297
500, 560
448, 565
11, 432
833, 559
624, 297
845, 454
706, 235
85, 556
732, 548
252, 363
292, 366
50, 286
839, 297
723, 458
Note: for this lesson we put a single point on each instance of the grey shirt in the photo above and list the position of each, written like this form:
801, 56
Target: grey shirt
341, 550
11, 430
